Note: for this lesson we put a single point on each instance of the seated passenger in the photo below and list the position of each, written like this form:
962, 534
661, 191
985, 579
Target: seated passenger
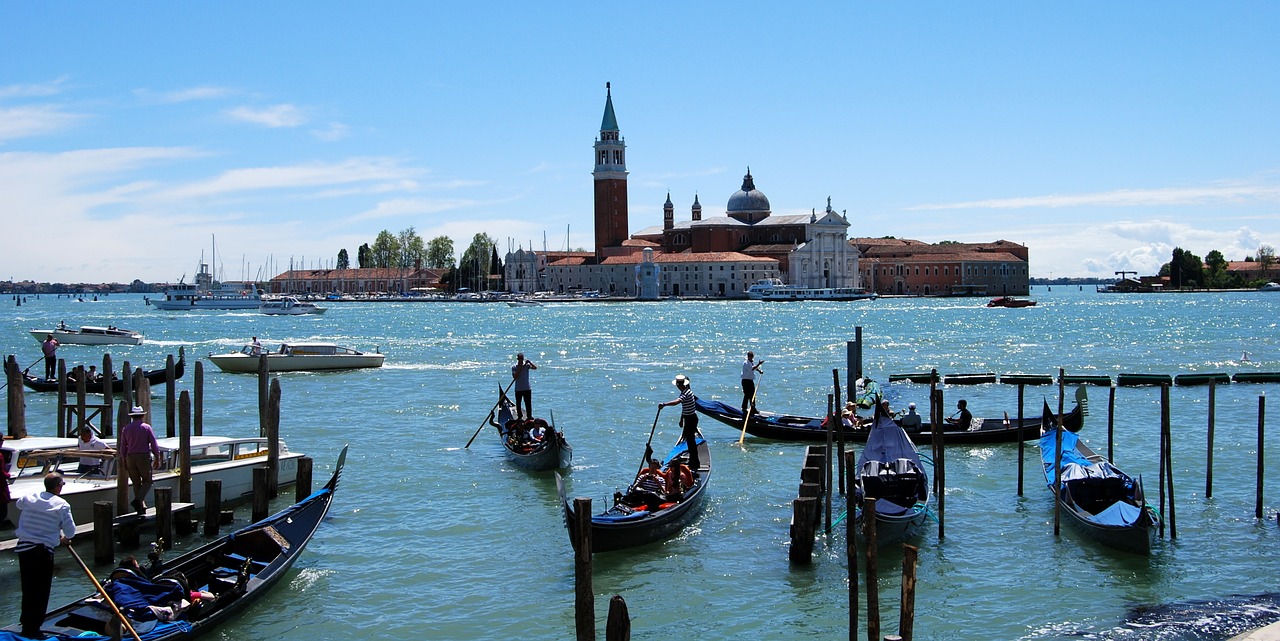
911, 420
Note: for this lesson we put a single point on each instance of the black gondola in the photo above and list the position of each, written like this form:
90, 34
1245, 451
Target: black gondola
154, 377
524, 448
235, 570
639, 517
785, 427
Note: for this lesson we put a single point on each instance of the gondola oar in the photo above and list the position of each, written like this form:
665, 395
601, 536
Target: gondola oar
648, 445
495, 407
106, 597
24, 372
747, 419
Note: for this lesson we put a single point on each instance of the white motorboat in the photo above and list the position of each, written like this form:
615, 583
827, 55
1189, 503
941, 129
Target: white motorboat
289, 306
207, 293
89, 335
774, 289
212, 457
1270, 287
297, 357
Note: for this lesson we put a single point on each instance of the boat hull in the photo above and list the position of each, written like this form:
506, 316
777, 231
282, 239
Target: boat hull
154, 377
554, 453
244, 363
89, 336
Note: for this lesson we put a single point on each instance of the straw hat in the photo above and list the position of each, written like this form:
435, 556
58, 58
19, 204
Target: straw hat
137, 410
681, 380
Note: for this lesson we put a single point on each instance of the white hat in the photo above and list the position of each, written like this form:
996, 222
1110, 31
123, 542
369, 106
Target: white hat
680, 378
137, 410
911, 405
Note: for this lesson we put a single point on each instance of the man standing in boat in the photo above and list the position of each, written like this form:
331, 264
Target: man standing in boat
50, 350
520, 372
749, 370
688, 418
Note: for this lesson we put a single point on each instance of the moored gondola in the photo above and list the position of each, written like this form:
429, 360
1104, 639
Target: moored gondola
646, 513
889, 470
786, 427
532, 444
1104, 502
228, 575
155, 377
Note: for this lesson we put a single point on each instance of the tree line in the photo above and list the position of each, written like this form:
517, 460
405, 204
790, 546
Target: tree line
1185, 269
478, 269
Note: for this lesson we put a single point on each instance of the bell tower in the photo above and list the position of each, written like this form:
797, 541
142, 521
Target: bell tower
610, 176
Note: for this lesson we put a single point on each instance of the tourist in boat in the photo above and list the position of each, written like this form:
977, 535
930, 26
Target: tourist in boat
910, 421
255, 348
520, 372
44, 523
92, 376
141, 454
688, 417
750, 368
89, 442
50, 350
966, 417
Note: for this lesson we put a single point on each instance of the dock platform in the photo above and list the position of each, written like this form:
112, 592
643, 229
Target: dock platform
130, 519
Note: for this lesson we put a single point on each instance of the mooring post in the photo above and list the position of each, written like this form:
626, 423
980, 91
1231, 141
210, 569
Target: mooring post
212, 506
618, 626
273, 439
940, 471
584, 613
108, 395
839, 426
104, 540
164, 516
197, 427
1164, 443
873, 571
851, 550
62, 398
907, 608
826, 482
261, 498
17, 419
82, 401
126, 381
122, 478
302, 481
170, 397
1262, 425
1021, 444
184, 447
804, 512
1111, 424
1208, 455
1167, 425
263, 392
1057, 459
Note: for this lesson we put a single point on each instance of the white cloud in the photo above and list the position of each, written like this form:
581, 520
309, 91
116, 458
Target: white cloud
185, 95
37, 120
411, 207
333, 132
352, 171
274, 116
1212, 194
39, 89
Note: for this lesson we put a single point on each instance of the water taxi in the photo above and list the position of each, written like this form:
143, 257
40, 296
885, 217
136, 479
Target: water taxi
297, 357
89, 335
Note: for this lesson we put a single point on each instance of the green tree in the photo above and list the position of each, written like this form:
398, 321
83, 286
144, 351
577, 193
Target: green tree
1184, 270
440, 253
1216, 275
1266, 259
364, 256
386, 250
413, 251
344, 262
473, 267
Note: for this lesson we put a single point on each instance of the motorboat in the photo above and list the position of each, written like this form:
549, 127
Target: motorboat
88, 335
773, 289
1270, 287
297, 357
1010, 301
212, 457
289, 306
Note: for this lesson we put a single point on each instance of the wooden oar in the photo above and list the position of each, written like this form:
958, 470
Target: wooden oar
648, 446
105, 596
747, 419
495, 407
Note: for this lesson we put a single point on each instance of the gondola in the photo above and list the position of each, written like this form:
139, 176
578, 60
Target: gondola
155, 377
889, 470
550, 452
638, 517
230, 573
785, 427
1104, 502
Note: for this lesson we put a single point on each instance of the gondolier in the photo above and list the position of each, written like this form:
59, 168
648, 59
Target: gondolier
750, 368
688, 417
50, 350
524, 391
44, 524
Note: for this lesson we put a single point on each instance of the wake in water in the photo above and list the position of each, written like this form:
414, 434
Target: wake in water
1212, 620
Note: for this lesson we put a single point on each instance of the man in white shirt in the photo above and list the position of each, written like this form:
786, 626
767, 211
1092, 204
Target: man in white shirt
44, 524
749, 370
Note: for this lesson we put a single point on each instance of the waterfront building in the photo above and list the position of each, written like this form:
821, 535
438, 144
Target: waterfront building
892, 266
357, 281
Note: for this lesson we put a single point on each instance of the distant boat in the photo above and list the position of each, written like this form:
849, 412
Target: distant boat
207, 293
775, 290
289, 306
1270, 287
1009, 301
297, 357
89, 335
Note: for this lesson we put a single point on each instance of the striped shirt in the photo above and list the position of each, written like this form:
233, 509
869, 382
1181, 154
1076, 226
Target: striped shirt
44, 516
688, 406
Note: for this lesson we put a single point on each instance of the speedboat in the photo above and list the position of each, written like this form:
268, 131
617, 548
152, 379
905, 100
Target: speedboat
289, 306
89, 335
212, 457
297, 357
1270, 287
1009, 301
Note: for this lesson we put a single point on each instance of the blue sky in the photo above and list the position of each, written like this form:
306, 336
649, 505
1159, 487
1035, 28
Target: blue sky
1100, 134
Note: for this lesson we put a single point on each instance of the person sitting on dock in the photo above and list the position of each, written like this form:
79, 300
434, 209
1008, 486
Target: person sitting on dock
910, 421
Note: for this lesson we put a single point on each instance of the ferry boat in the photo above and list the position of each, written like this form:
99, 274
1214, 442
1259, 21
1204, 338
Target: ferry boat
89, 335
207, 293
774, 289
289, 306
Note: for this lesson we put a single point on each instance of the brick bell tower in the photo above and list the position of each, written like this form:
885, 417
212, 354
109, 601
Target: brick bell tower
610, 183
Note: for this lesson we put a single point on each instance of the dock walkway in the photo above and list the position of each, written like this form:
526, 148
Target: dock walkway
130, 519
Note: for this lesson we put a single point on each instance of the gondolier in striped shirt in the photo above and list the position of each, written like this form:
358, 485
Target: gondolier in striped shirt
44, 524
688, 418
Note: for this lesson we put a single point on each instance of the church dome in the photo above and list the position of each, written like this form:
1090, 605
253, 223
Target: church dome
748, 202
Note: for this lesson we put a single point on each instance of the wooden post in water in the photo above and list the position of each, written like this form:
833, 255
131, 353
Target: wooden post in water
584, 613
940, 472
302, 482
144, 395
108, 395
1208, 455
122, 478
212, 506
82, 402
851, 551
1111, 424
17, 418
198, 401
1164, 417
1021, 444
873, 571
1167, 425
126, 379
618, 626
170, 398
104, 540
273, 439
184, 447
907, 608
1057, 458
263, 392
164, 516
62, 398
804, 512
839, 425
261, 500
826, 481
1262, 428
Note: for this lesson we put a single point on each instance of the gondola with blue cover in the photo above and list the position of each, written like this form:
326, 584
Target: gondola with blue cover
889, 470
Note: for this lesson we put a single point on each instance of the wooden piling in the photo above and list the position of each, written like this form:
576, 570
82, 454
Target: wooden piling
104, 542
1057, 458
940, 473
122, 479
1167, 425
108, 396
144, 395
184, 447
1262, 428
263, 392
273, 439
261, 500
804, 515
82, 401
164, 516
873, 571
1021, 444
907, 608
302, 484
1164, 418
1111, 424
839, 425
17, 406
1208, 455
584, 613
197, 425
126, 378
62, 398
832, 421
851, 551
212, 506
618, 626
170, 398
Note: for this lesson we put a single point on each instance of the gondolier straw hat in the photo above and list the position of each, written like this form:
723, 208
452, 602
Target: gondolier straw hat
137, 410
681, 379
